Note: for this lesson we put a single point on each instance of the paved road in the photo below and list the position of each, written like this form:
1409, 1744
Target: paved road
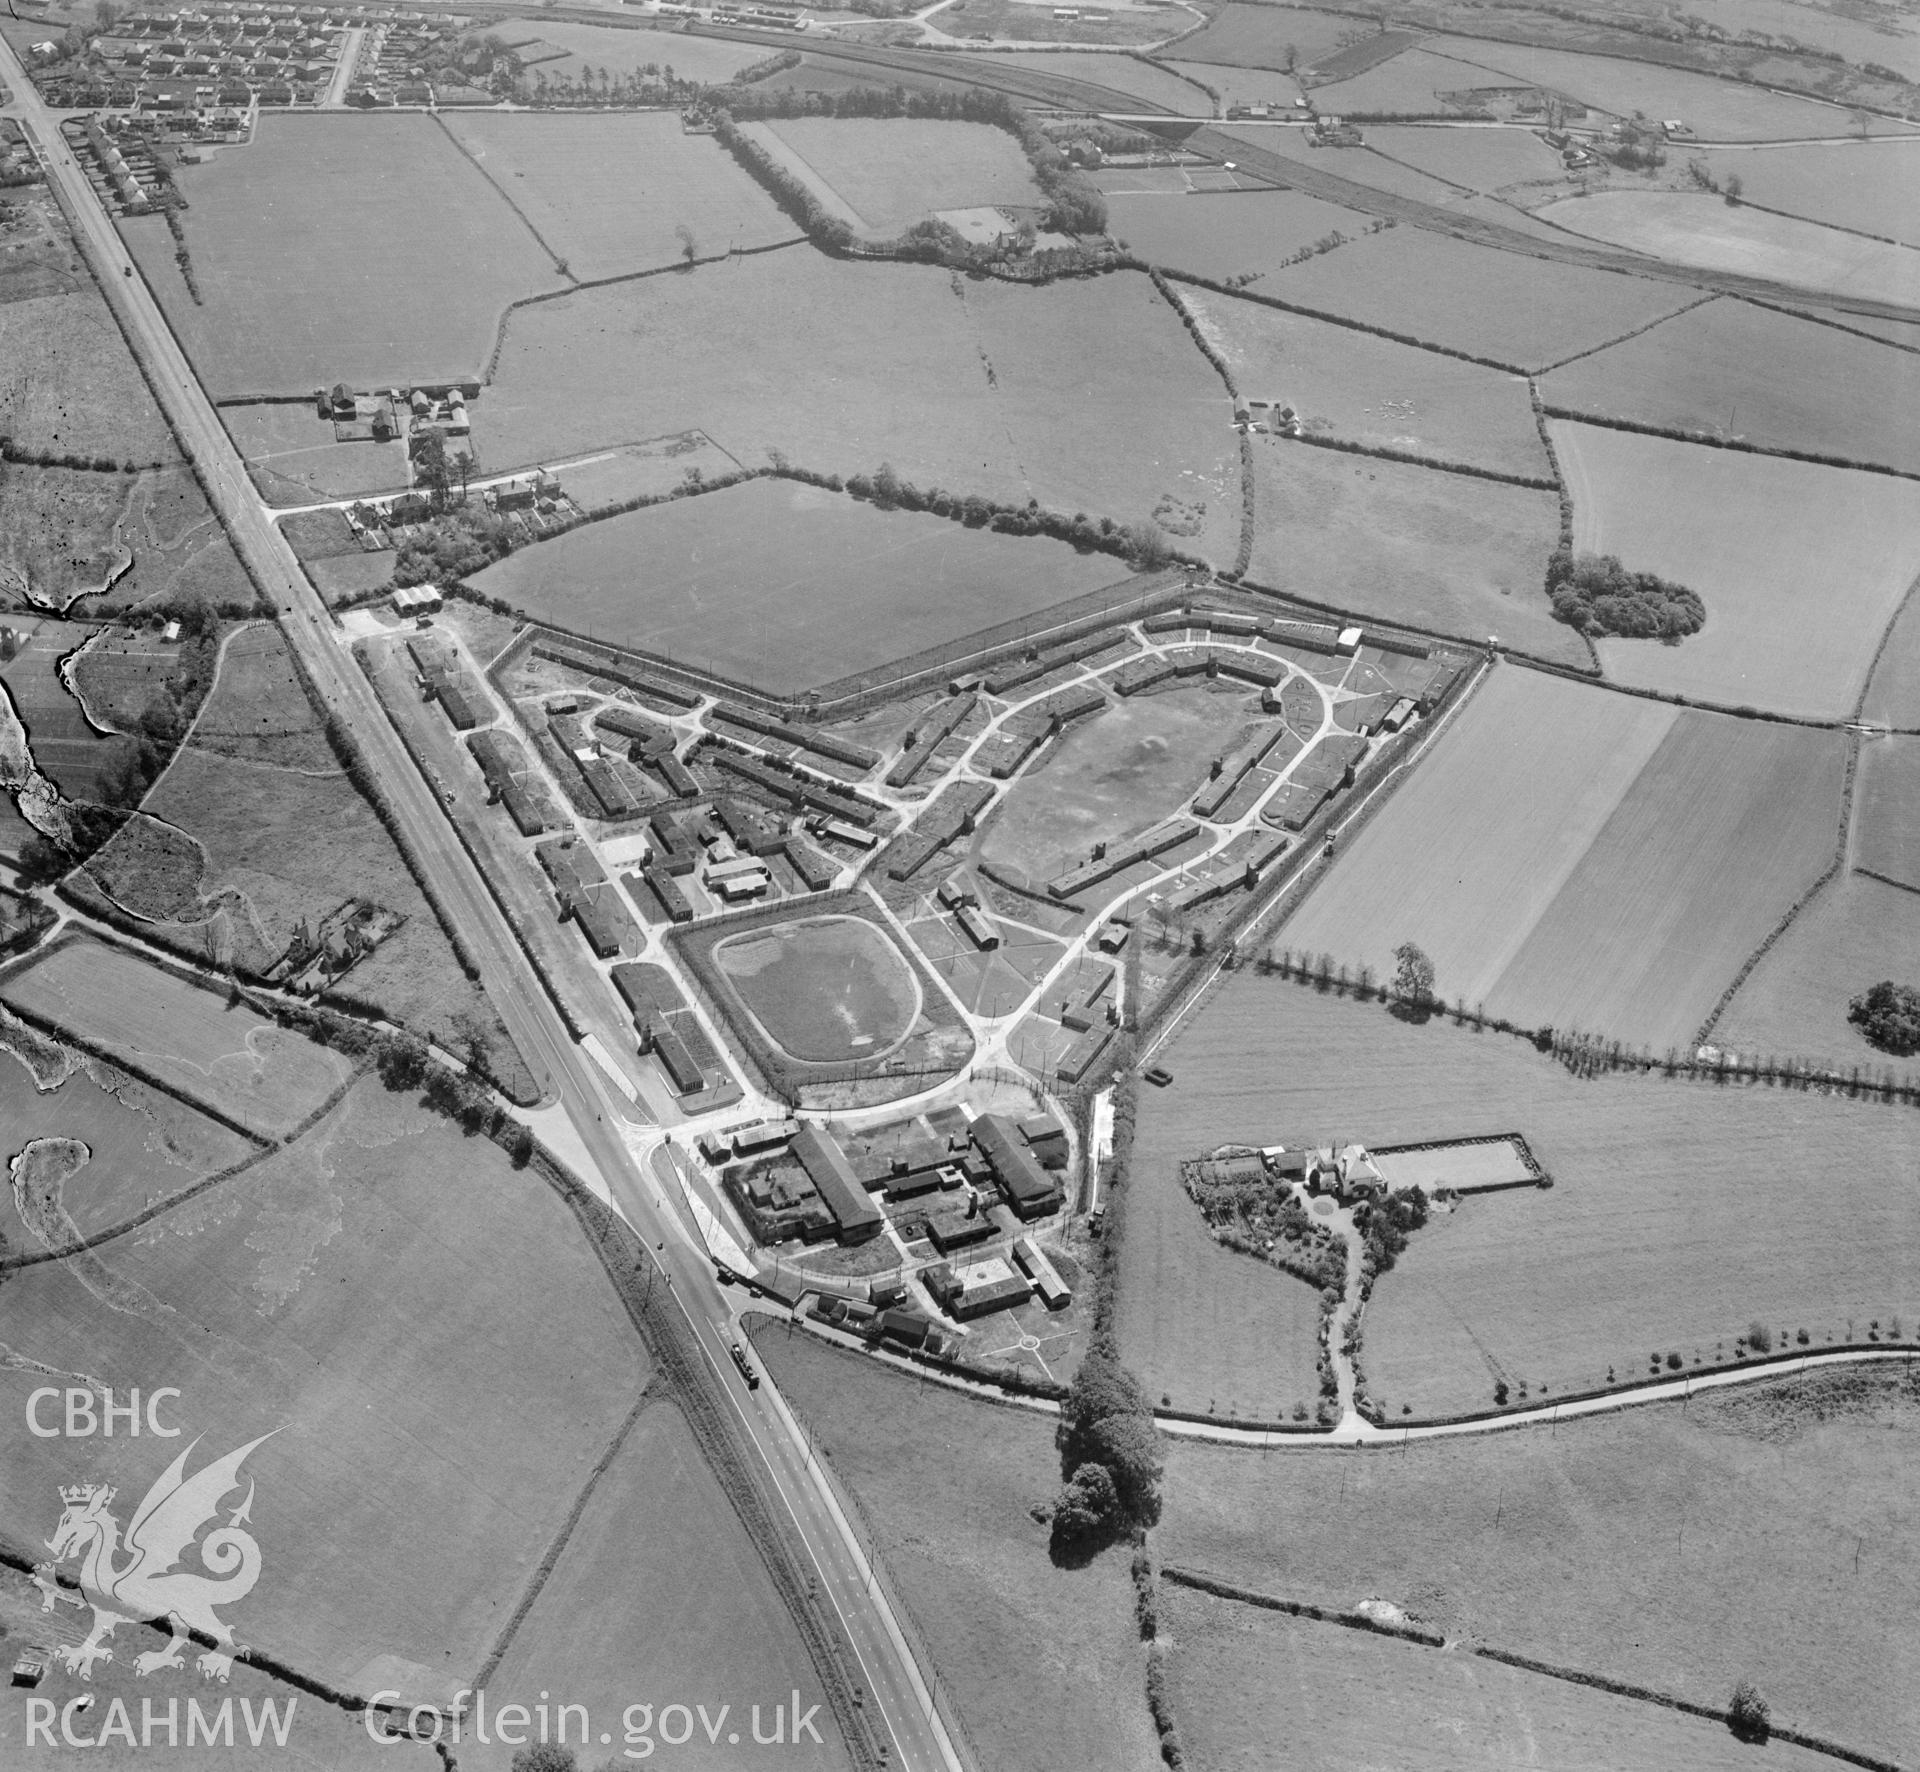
569, 1076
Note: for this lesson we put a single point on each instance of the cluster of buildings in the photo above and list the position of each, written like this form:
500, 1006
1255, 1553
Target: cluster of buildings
318, 954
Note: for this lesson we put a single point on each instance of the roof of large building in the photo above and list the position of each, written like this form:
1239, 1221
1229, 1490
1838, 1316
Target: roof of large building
833, 1178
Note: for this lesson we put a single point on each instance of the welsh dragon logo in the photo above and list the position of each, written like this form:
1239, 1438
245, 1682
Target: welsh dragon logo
149, 1585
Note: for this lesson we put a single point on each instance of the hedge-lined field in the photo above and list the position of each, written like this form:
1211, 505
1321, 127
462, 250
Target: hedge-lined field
1228, 235
1681, 1549
1482, 160
1801, 566
893, 172
1886, 835
1865, 185
1359, 388
344, 247
294, 460
614, 192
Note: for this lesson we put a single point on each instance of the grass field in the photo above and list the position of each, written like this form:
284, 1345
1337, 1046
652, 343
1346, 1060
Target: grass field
66, 748
1679, 1548
1674, 1221
60, 533
1884, 833
1112, 777
660, 1595
294, 460
1382, 538
438, 1349
1857, 932
1361, 389
71, 385
1261, 36
1226, 235
823, 990
1407, 86
628, 51
1157, 84
1498, 305
616, 192
1578, 859
187, 1038
1032, 21
1692, 228
979, 387
1893, 692
1042, 1663
258, 712
782, 584
1244, 1678
1480, 159
143, 1146
892, 172
421, 256
1718, 371
1801, 567
120, 673
1859, 184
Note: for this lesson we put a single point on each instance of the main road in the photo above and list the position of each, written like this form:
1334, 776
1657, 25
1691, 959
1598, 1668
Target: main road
794, 1482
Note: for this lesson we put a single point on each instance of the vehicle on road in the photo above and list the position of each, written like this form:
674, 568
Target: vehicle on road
746, 1366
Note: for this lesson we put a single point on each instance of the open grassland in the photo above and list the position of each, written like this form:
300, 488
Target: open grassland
71, 387
1886, 832
980, 387
1361, 389
1382, 538
1262, 36
1867, 185
1801, 567
184, 1037
1607, 868
1677, 1218
60, 533
1224, 235
294, 460
179, 548
1245, 1678
1499, 305
143, 1146
1693, 228
1407, 86
616, 192
893, 171
1032, 21
427, 1330
1157, 84
118, 676
258, 712
1680, 1548
787, 586
1716, 110
66, 747
1730, 370
363, 249
1480, 159
1111, 777
1041, 1663
625, 51
1857, 932
660, 1594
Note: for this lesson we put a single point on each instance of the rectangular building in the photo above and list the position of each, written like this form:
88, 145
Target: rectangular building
1030, 1190
833, 1178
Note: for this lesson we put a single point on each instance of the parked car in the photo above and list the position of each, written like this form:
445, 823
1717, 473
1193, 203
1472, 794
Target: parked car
1159, 1076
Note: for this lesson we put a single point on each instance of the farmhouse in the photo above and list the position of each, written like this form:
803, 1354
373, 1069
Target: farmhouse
832, 1175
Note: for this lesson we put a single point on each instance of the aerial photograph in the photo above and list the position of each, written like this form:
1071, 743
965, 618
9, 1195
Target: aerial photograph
960, 885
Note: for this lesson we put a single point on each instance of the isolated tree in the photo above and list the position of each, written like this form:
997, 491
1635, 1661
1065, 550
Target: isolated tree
1088, 1506
1412, 976
1748, 1716
1732, 189
1889, 1016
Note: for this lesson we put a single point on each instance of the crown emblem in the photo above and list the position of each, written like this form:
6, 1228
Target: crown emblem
84, 1492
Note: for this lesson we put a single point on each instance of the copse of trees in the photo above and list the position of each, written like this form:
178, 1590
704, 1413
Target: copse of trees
1109, 1454
1597, 595
1889, 1016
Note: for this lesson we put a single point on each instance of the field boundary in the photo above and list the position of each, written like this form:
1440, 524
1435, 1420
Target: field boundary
1712, 295
1821, 319
1737, 445
506, 196
1426, 1639
1438, 464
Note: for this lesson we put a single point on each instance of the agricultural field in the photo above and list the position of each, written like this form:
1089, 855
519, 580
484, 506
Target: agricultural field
1855, 933
1886, 839
1526, 312
436, 1346
621, 52
1801, 567
825, 989
1033, 21
71, 387
613, 193
1442, 551
66, 748
779, 584
974, 386
660, 1593
294, 460
142, 1147
1355, 388
1673, 1222
1113, 776
1262, 36
1408, 85
1693, 228
1484, 160
1158, 83
1756, 1534
1893, 692
1609, 863
258, 712
1042, 1663
893, 172
1867, 185
1224, 237
1729, 369
645, 470
1244, 1677
185, 1037
421, 255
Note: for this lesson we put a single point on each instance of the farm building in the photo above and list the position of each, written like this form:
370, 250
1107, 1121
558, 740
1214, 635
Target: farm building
1029, 1189
832, 1175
